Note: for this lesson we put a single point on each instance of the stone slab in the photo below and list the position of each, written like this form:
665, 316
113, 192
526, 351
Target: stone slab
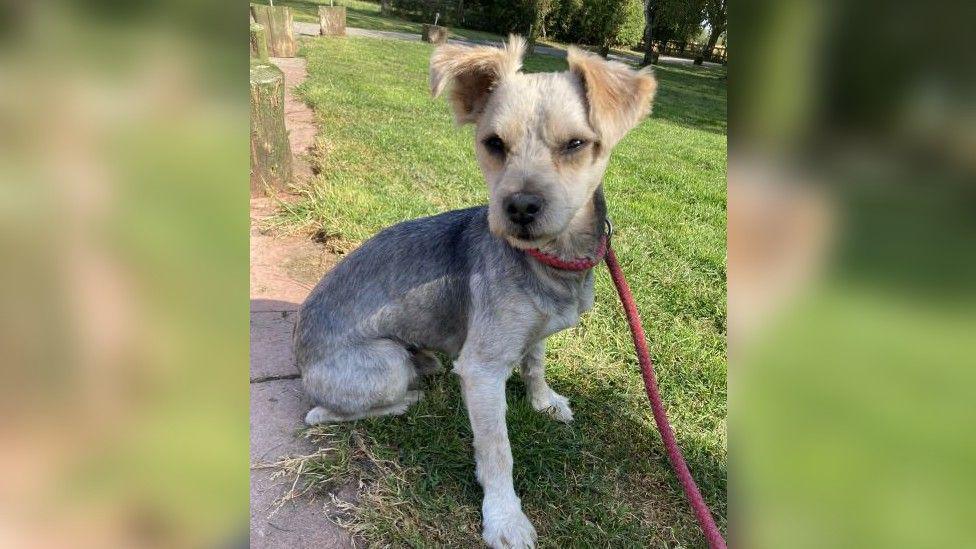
271, 344
298, 524
277, 408
277, 412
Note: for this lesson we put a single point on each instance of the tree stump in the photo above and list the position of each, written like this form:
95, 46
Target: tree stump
435, 34
259, 43
278, 24
271, 162
332, 20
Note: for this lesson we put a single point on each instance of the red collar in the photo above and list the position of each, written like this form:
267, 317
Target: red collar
578, 264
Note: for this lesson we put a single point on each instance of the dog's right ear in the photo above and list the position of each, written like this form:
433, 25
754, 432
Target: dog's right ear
617, 96
473, 72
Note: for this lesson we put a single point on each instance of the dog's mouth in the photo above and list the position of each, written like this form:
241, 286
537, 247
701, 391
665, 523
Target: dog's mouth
524, 239
534, 235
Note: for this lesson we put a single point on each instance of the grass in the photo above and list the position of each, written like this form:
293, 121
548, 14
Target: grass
366, 15
388, 152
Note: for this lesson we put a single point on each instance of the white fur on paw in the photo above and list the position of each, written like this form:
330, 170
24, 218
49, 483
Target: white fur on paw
556, 405
414, 397
400, 408
507, 527
320, 415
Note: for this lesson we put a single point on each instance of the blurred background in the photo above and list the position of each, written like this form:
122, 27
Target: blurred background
852, 219
123, 291
852, 226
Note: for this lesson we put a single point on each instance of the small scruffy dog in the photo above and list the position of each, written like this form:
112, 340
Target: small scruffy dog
462, 282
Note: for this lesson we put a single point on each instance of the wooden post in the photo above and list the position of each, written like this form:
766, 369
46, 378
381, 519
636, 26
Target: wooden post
278, 24
435, 34
271, 162
332, 20
259, 43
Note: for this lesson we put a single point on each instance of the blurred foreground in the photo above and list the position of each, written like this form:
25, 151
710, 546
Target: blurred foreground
852, 224
124, 288
852, 231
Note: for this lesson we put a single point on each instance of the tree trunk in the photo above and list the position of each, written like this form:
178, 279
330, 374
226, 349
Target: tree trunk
277, 23
706, 52
270, 152
332, 20
259, 43
649, 56
384, 7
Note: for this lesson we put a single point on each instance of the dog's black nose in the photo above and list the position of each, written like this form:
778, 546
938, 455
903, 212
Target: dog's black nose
522, 208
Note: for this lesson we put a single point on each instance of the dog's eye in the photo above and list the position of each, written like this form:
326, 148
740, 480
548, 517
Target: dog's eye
495, 145
574, 145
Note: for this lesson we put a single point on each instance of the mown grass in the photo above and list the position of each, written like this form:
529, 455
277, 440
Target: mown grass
388, 152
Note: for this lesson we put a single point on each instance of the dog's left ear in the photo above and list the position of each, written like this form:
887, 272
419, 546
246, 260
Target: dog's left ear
617, 96
473, 72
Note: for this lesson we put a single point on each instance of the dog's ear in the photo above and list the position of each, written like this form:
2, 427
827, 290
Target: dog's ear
473, 72
617, 96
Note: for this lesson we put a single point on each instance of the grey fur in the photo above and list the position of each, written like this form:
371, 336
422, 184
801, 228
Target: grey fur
424, 285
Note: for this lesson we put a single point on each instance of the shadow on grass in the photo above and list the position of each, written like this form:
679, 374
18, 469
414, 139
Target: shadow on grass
601, 481
692, 96
689, 96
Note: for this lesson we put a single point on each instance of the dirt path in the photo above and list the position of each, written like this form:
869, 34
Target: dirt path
283, 271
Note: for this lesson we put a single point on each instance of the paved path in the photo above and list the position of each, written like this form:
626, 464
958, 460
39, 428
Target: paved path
312, 29
283, 271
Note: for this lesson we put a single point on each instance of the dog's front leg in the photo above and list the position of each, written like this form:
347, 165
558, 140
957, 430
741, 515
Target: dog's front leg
542, 397
483, 385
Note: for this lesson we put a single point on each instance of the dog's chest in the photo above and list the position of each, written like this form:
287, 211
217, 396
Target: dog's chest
565, 312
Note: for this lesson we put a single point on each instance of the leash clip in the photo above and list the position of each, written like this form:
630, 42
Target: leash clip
609, 228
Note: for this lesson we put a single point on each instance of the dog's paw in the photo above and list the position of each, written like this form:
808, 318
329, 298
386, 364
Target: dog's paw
507, 527
554, 404
319, 415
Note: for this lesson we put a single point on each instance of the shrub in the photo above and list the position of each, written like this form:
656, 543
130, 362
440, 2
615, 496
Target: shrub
601, 22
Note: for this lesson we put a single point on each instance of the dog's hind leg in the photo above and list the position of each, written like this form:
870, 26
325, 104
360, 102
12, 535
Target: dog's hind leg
542, 397
363, 380
320, 414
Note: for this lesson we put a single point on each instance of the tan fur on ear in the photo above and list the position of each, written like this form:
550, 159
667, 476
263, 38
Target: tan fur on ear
473, 71
618, 97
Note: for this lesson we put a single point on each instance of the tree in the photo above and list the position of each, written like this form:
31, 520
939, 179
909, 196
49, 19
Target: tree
670, 20
650, 14
717, 17
608, 23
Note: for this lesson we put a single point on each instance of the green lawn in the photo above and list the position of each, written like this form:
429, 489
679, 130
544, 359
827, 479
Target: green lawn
388, 152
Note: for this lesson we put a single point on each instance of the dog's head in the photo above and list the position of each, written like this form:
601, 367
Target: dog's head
542, 140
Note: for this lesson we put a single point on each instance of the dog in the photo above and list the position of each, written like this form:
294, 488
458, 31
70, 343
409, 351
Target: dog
462, 283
